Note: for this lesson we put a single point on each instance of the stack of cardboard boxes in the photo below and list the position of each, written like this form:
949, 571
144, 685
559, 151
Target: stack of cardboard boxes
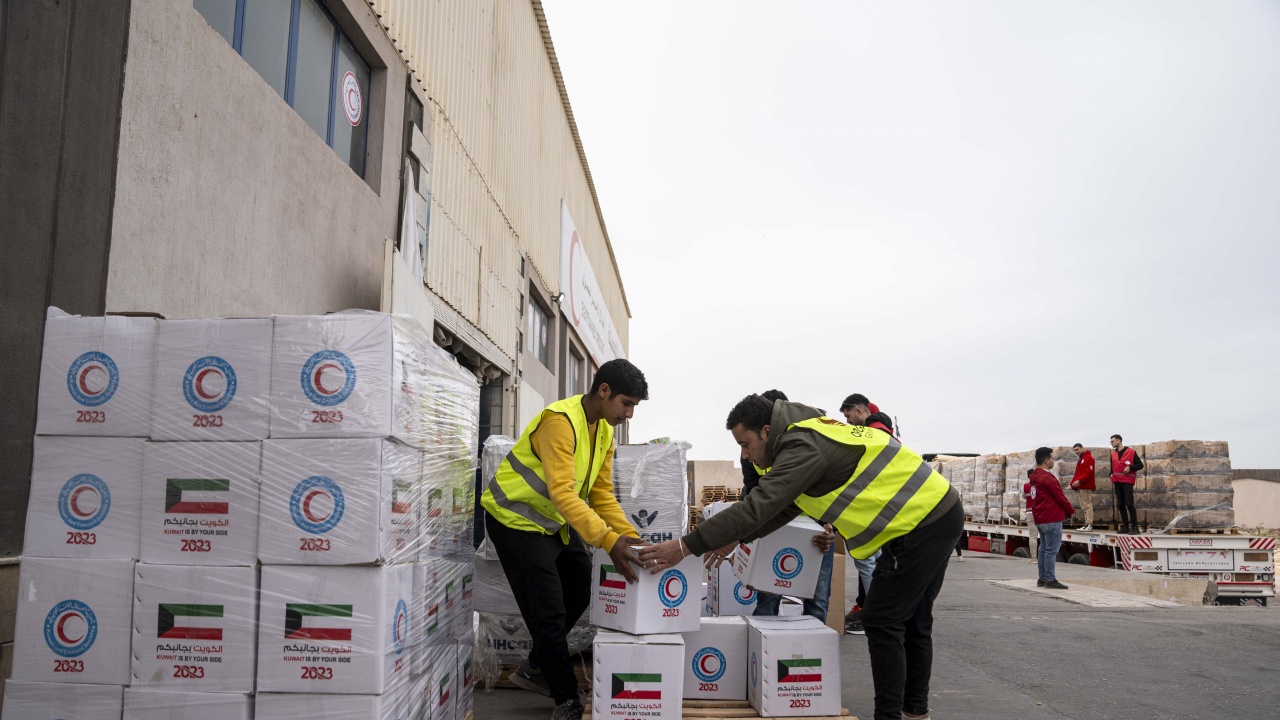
776, 663
311, 445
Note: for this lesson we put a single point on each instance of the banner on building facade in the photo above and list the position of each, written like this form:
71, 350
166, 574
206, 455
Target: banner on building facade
583, 303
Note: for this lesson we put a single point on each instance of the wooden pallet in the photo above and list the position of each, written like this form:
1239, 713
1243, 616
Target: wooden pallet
1203, 531
733, 710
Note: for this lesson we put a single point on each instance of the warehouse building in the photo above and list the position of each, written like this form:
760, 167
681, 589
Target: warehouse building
234, 158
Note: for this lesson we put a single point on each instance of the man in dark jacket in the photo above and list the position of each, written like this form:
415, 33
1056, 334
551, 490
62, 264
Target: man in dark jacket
768, 603
877, 493
1050, 508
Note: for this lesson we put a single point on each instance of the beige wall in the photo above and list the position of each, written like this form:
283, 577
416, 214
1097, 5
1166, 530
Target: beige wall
1257, 503
504, 155
714, 472
227, 203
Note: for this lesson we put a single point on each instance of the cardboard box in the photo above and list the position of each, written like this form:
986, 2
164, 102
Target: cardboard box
74, 621
334, 629
333, 502
96, 376
794, 667
666, 602
200, 503
726, 594
195, 628
86, 498
785, 562
442, 688
67, 701
637, 676
306, 706
212, 380
349, 374
465, 682
715, 660
164, 705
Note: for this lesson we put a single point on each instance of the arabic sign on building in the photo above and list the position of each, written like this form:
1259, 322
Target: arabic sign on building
583, 302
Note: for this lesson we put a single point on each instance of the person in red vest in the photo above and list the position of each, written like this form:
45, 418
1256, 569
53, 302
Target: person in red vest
1050, 508
1125, 465
858, 410
1084, 482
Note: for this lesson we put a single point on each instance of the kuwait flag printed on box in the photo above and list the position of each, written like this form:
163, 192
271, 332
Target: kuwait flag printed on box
184, 621
611, 578
637, 686
304, 621
800, 670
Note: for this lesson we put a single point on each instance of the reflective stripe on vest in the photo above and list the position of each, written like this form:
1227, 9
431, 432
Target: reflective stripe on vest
518, 497
892, 489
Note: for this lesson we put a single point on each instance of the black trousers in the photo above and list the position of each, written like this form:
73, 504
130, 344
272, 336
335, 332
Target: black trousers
552, 585
899, 617
1124, 501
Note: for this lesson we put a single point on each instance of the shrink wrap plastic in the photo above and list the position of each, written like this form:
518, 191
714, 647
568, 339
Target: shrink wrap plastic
236, 513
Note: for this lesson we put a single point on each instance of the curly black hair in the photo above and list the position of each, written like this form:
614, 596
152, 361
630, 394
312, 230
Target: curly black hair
752, 413
772, 395
621, 377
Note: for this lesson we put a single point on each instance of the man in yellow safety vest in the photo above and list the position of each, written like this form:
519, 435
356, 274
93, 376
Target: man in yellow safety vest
552, 491
877, 494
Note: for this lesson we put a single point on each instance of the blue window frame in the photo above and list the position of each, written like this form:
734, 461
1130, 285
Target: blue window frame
298, 49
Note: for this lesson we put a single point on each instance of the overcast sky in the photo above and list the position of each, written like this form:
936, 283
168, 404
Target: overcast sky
1010, 224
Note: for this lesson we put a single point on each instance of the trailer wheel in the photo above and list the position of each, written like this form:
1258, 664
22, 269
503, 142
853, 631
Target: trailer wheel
1079, 559
1021, 552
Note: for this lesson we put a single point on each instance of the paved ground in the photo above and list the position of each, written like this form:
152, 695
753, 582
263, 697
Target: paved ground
1003, 649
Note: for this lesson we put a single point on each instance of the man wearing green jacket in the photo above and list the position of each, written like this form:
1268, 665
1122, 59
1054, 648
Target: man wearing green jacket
877, 494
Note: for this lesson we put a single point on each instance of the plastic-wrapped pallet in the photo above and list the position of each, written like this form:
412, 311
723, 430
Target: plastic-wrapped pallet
505, 640
652, 484
989, 473
369, 433
1187, 485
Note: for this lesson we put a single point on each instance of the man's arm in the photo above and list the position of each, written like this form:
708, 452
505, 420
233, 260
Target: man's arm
605, 504
1055, 491
553, 444
1137, 463
798, 465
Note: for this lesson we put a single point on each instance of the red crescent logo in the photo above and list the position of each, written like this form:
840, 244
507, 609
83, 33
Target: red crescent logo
783, 563
74, 500
306, 506
200, 383
317, 379
400, 622
703, 663
62, 633
667, 587
84, 377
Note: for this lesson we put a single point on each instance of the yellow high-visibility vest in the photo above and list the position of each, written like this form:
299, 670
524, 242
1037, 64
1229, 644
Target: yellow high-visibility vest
517, 496
891, 490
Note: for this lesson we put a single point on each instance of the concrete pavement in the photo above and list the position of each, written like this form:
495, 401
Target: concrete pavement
1004, 649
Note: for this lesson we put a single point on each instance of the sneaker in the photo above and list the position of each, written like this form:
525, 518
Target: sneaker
527, 678
909, 716
568, 710
1033, 561
960, 559
1039, 583
1086, 528
1055, 585
854, 627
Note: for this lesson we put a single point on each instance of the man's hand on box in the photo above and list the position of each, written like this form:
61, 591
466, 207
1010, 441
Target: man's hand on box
716, 557
663, 555
624, 556
824, 541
